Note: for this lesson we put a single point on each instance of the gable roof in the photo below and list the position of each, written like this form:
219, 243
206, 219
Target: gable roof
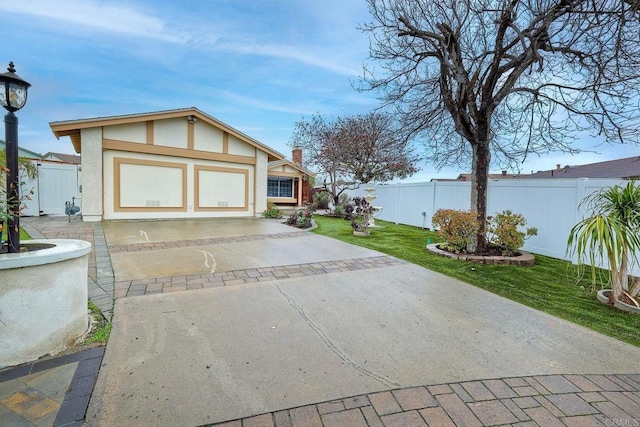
627, 168
72, 128
67, 158
290, 163
22, 152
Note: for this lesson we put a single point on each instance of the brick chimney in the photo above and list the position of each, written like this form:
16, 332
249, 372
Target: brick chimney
296, 155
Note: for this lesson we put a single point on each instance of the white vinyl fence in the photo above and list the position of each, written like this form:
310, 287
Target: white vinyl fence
56, 184
550, 205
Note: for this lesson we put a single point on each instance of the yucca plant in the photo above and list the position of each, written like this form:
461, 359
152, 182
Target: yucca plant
611, 233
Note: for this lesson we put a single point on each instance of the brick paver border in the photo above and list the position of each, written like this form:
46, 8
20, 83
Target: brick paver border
130, 288
547, 400
136, 247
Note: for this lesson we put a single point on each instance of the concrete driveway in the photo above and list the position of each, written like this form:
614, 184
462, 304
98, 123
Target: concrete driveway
330, 325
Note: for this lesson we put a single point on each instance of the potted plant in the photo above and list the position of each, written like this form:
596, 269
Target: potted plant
612, 234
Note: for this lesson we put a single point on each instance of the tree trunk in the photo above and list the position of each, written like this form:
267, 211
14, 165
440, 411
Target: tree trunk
624, 274
616, 288
620, 277
479, 182
635, 288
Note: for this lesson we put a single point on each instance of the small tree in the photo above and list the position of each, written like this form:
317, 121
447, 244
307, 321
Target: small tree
352, 150
482, 80
27, 170
612, 234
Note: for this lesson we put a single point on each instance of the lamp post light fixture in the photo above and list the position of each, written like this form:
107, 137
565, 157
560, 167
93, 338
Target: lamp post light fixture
13, 96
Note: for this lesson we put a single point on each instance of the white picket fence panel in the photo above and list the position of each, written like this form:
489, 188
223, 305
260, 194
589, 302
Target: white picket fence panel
553, 206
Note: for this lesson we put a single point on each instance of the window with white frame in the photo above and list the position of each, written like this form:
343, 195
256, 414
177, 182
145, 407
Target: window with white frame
280, 187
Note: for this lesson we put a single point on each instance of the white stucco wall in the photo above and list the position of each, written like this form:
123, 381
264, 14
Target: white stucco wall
130, 132
239, 147
170, 132
140, 192
91, 142
262, 167
207, 137
164, 179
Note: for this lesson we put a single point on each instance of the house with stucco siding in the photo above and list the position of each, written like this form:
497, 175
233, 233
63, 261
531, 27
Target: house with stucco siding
179, 163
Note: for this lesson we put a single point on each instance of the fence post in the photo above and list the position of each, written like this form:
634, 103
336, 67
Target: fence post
397, 219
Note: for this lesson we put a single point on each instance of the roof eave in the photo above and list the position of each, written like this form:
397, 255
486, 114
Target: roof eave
73, 127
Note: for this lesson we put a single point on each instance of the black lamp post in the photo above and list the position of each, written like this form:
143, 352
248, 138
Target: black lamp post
13, 96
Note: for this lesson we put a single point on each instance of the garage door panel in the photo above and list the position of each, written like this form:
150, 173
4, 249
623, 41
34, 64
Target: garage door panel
144, 185
219, 188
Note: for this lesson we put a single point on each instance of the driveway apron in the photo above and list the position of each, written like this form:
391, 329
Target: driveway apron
304, 319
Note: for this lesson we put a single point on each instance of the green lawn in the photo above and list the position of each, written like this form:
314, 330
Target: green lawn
549, 286
23, 235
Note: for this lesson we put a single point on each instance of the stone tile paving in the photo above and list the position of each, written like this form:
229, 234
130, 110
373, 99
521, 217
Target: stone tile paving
557, 400
50, 392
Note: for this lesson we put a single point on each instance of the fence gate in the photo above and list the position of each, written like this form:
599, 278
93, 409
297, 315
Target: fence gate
56, 184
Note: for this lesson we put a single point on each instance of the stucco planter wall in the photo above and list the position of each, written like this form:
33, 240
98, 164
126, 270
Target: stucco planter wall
524, 259
603, 297
43, 299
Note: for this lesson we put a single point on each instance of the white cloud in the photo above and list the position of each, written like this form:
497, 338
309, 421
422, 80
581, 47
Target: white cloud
246, 101
96, 15
124, 19
295, 53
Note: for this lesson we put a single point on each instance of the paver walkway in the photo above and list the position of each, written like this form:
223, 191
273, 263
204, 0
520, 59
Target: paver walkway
553, 400
572, 400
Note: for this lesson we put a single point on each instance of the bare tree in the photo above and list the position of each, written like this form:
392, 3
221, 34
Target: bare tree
503, 79
353, 150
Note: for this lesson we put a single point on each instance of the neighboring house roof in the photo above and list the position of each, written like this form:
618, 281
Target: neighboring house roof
285, 162
22, 152
503, 175
67, 158
627, 168
72, 128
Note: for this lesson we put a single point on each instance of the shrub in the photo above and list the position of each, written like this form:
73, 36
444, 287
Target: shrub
456, 228
272, 211
321, 200
301, 218
502, 231
343, 201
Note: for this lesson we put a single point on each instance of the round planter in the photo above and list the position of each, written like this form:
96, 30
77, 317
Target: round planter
603, 297
43, 299
525, 259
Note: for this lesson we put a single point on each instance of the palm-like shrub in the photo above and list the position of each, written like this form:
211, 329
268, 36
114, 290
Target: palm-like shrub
611, 233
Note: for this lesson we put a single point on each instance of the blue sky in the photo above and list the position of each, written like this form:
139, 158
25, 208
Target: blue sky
257, 65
